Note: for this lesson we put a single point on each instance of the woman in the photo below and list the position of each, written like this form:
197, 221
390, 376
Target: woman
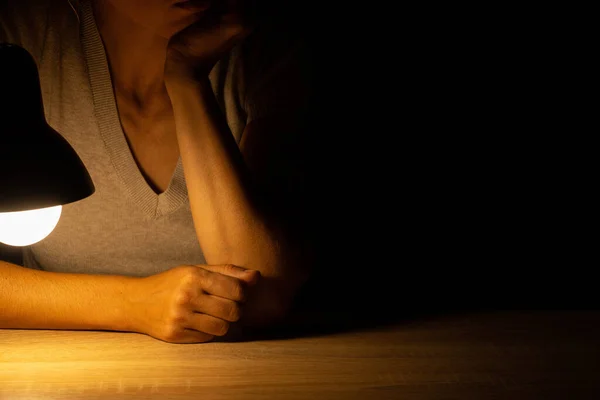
184, 122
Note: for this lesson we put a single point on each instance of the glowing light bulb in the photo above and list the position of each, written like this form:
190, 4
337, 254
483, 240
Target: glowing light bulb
24, 228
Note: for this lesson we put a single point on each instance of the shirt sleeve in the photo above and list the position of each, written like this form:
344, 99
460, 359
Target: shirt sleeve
24, 23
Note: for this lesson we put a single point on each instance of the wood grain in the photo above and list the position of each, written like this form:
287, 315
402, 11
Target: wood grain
495, 355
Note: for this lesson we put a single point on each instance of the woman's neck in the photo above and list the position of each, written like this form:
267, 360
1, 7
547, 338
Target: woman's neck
136, 56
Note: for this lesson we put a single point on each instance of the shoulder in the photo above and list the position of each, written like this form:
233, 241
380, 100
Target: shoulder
268, 73
26, 22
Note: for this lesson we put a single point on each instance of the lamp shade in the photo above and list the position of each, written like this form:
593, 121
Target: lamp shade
38, 167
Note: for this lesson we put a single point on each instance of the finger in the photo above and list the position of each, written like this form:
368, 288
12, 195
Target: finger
249, 276
208, 324
189, 336
218, 307
221, 285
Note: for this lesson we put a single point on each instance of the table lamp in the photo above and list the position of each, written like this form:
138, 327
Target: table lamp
39, 170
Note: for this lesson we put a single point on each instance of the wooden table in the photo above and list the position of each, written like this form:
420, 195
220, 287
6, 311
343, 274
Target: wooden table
493, 355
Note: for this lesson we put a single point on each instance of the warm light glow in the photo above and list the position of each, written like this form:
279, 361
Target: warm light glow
24, 228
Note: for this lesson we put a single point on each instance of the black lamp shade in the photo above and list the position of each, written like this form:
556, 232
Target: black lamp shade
38, 167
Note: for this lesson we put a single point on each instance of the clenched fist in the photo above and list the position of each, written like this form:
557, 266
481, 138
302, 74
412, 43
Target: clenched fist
189, 304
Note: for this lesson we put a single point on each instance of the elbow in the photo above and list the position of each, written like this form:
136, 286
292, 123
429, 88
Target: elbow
268, 311
271, 302
273, 297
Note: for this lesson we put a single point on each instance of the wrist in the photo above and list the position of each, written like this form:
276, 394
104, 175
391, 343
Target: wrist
179, 71
187, 94
177, 82
127, 313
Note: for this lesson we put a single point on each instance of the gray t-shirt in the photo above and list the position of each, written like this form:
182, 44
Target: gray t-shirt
124, 228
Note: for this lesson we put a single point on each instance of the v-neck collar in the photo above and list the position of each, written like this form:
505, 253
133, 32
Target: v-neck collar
152, 205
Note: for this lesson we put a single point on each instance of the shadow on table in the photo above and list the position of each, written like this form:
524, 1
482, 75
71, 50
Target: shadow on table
324, 318
363, 305
315, 324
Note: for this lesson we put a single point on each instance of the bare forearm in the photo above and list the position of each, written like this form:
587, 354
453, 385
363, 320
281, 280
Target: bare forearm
229, 223
31, 299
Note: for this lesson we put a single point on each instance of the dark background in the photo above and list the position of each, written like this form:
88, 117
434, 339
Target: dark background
435, 190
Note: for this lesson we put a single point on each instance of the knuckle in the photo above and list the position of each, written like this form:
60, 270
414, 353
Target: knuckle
231, 268
183, 298
234, 313
207, 280
234, 268
237, 291
177, 318
171, 333
190, 276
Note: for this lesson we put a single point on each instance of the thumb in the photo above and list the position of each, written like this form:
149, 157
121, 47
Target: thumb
249, 276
